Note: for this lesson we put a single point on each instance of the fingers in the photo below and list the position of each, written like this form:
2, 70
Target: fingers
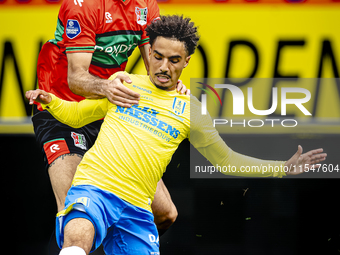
310, 160
181, 88
312, 152
123, 91
123, 77
117, 83
39, 96
32, 95
318, 158
314, 156
119, 94
123, 102
306, 161
121, 98
28, 96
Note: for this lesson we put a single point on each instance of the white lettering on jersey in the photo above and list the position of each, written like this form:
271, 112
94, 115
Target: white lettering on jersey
108, 17
79, 2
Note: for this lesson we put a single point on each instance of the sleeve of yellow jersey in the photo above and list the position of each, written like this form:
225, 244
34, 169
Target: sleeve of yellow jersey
77, 114
206, 139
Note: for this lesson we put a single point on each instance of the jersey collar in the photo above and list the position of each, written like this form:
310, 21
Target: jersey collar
125, 1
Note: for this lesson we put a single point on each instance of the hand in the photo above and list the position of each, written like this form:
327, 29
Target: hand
39, 96
119, 94
181, 88
300, 163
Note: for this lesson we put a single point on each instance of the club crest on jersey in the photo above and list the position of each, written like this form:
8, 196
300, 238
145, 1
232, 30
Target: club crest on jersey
72, 28
141, 15
178, 106
79, 140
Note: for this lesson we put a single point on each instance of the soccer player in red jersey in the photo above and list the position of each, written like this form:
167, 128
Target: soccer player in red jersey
93, 40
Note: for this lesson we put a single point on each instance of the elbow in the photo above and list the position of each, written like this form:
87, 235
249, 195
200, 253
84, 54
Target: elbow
165, 218
71, 81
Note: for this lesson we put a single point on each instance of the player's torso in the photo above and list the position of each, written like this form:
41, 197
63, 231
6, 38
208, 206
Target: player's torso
118, 27
138, 142
108, 29
159, 122
119, 33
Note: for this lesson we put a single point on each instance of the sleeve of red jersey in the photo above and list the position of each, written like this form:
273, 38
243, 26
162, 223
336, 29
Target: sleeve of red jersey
153, 14
79, 18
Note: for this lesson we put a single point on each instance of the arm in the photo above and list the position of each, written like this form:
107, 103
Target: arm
219, 154
79, 48
73, 114
144, 51
81, 82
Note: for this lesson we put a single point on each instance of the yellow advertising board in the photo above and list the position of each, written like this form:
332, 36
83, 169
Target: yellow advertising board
237, 41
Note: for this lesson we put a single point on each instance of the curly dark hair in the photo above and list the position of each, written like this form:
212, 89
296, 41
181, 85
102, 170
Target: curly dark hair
174, 27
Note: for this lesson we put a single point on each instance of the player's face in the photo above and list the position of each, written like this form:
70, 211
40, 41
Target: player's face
168, 57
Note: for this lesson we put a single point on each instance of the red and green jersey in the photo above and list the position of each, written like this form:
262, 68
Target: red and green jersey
110, 29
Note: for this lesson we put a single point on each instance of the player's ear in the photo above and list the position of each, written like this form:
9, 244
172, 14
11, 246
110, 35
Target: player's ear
187, 61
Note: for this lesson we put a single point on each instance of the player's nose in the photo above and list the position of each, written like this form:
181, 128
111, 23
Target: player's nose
164, 66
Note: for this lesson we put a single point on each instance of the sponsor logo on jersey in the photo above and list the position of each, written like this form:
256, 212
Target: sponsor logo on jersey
78, 2
141, 15
108, 17
116, 49
143, 89
55, 148
72, 28
79, 140
153, 239
83, 200
178, 106
146, 118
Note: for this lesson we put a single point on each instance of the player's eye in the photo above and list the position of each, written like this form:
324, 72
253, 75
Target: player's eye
174, 61
158, 57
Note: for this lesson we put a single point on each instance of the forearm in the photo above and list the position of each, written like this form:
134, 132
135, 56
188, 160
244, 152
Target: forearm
144, 50
232, 163
76, 114
85, 84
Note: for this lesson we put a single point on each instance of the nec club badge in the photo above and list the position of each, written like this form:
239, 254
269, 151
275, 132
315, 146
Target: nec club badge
72, 28
79, 140
141, 15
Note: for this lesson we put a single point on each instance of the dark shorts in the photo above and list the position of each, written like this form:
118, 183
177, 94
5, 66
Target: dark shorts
56, 139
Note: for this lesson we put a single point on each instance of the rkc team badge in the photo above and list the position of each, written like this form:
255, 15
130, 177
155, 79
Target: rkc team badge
178, 106
141, 15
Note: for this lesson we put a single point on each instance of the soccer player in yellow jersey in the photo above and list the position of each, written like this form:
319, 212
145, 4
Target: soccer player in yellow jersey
113, 188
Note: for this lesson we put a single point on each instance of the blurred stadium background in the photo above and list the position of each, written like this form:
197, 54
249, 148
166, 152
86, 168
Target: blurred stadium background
239, 38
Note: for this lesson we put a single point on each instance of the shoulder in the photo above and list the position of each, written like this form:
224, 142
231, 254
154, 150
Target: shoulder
80, 4
133, 77
79, 8
113, 76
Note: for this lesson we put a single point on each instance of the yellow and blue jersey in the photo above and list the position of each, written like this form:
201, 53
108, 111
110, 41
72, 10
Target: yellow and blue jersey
135, 144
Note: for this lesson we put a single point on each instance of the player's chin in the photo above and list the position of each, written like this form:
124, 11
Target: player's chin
164, 85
